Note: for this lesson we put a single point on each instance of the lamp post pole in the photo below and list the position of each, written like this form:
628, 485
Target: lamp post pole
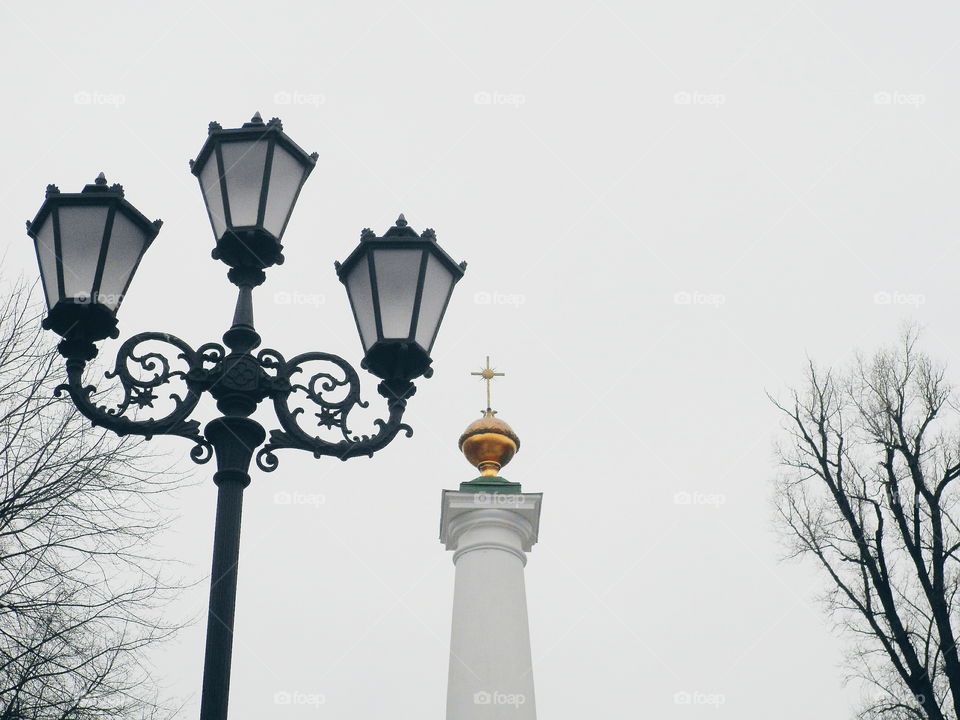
223, 595
236, 436
226, 556
89, 245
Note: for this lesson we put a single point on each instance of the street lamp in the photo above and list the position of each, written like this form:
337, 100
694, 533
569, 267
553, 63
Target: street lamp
399, 286
250, 178
89, 245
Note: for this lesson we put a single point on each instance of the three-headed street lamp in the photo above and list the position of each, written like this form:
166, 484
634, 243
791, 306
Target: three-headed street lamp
89, 245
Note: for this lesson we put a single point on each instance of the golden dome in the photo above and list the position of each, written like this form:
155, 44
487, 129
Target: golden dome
489, 443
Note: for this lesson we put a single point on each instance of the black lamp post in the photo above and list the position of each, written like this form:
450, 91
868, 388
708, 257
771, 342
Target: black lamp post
89, 245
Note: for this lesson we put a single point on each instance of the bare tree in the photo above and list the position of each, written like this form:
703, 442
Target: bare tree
868, 490
80, 591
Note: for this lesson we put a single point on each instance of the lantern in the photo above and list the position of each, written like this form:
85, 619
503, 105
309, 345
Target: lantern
399, 286
250, 178
88, 246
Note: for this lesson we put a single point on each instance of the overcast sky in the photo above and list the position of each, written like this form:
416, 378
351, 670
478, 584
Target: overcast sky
665, 208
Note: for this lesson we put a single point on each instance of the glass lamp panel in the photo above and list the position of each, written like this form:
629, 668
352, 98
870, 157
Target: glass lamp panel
243, 168
361, 299
47, 257
397, 274
286, 177
81, 234
436, 288
127, 243
210, 186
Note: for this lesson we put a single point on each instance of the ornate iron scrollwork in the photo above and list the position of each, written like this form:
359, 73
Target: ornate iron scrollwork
229, 377
321, 388
140, 374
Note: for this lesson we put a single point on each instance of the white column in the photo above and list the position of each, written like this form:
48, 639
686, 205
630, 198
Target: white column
491, 674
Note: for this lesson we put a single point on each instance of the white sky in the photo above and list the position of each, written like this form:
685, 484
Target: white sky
782, 163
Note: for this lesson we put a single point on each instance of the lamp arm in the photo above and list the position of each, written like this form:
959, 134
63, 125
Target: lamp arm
334, 413
138, 391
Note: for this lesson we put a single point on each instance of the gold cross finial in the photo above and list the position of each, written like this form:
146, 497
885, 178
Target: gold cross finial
488, 374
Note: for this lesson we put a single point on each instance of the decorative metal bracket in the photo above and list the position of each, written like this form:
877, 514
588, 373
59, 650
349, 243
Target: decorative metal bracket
138, 390
238, 381
334, 413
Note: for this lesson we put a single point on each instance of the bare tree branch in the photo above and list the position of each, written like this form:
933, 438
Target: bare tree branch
81, 594
866, 491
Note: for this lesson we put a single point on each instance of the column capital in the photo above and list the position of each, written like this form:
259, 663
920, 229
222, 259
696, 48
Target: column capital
463, 512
